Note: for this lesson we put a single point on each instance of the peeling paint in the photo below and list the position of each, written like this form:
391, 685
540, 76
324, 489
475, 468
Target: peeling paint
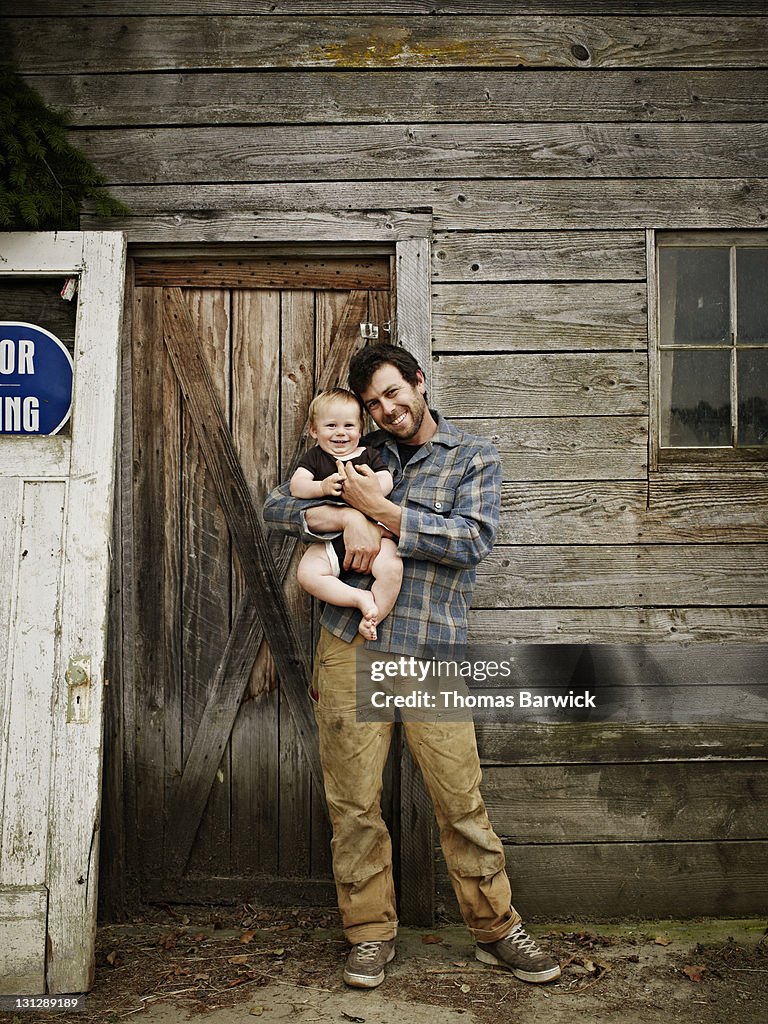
395, 47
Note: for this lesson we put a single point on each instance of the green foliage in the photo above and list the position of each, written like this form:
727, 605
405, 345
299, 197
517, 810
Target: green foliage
43, 179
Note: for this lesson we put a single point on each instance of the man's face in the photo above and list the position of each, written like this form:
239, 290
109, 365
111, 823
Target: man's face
396, 405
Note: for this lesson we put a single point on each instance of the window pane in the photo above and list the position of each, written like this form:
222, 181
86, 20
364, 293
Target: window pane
695, 399
694, 295
753, 397
752, 294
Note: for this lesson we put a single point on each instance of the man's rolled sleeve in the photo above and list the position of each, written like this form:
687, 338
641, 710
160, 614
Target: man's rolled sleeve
286, 514
465, 535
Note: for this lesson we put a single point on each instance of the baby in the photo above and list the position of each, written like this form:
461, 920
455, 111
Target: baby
336, 422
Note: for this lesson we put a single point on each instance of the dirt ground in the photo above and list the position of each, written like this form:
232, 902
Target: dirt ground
223, 965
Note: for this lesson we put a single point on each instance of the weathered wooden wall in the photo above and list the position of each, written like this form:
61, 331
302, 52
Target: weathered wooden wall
545, 139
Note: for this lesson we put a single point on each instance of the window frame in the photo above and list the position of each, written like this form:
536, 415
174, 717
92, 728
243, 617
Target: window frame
720, 458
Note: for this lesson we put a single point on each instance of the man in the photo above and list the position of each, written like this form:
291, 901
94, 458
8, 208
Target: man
443, 512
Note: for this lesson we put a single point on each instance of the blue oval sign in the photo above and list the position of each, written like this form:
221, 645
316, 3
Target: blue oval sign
35, 380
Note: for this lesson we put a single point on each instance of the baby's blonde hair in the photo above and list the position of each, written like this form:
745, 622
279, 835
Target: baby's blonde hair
331, 395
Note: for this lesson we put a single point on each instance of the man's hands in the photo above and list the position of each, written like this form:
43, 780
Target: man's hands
362, 541
361, 490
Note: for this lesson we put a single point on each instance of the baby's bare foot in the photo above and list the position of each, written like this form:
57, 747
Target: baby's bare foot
367, 627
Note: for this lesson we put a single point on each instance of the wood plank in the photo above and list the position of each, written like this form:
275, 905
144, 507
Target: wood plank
511, 204
538, 256
297, 374
25, 249
612, 803
180, 495
534, 743
424, 151
11, 493
624, 512
267, 272
612, 575
567, 448
608, 625
148, 509
204, 598
113, 866
412, 312
368, 97
47, 8
584, 384
542, 317
368, 41
37, 506
255, 730
601, 881
620, 674
23, 918
29, 456
76, 782
117, 898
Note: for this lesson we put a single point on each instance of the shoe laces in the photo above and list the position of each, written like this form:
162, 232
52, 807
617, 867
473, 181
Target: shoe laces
368, 950
520, 938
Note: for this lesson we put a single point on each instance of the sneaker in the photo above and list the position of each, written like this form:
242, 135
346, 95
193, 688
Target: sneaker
519, 954
365, 963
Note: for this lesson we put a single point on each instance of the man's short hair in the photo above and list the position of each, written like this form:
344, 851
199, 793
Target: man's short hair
367, 361
324, 398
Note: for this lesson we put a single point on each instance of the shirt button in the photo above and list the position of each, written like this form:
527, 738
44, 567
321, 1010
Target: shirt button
438, 504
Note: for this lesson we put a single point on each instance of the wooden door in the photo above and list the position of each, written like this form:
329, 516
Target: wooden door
225, 805
55, 521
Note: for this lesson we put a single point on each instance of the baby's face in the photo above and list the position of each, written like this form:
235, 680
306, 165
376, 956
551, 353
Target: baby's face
337, 428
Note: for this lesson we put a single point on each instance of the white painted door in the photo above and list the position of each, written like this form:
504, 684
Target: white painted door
55, 521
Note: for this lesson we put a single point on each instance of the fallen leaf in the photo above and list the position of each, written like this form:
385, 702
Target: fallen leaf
256, 1011
348, 1016
694, 971
465, 989
199, 937
278, 952
248, 936
460, 963
662, 940
244, 958
185, 919
430, 939
246, 977
589, 966
113, 958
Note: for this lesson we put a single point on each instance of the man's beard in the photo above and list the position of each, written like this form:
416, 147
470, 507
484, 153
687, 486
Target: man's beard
417, 414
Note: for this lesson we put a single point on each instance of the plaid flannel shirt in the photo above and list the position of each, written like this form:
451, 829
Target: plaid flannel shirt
450, 495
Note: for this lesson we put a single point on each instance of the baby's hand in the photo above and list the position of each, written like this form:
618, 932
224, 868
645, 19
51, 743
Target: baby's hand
332, 485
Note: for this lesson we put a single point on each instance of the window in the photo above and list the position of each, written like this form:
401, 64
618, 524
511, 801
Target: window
711, 350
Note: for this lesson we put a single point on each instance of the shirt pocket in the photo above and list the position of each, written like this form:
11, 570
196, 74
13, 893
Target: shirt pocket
429, 496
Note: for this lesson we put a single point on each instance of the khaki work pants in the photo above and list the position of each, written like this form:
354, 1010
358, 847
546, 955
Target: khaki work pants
353, 755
